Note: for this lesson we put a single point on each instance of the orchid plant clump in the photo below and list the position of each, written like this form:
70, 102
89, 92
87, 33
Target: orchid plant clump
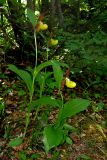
57, 133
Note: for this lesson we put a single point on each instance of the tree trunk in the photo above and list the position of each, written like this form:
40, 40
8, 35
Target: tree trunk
77, 6
16, 19
56, 13
60, 14
44, 6
52, 17
22, 29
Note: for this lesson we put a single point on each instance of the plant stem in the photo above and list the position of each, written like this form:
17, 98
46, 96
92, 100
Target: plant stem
58, 122
32, 87
36, 52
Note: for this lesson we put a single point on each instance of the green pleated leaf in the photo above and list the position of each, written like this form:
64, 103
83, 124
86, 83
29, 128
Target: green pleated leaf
58, 74
23, 75
52, 137
45, 100
32, 17
40, 67
73, 107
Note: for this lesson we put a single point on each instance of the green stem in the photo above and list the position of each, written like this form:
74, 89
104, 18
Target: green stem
36, 50
58, 122
32, 87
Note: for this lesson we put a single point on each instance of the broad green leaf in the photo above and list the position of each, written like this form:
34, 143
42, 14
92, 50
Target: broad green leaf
63, 64
52, 137
41, 79
58, 74
15, 142
73, 107
23, 74
40, 67
32, 17
46, 64
43, 65
46, 101
69, 140
42, 76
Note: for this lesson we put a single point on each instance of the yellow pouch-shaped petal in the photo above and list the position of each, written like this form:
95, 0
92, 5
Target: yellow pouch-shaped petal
43, 26
53, 42
70, 84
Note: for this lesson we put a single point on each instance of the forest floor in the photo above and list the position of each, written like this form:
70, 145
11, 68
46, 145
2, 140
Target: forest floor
89, 133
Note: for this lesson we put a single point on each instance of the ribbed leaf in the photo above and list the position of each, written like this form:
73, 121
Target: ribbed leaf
73, 107
40, 67
23, 74
32, 17
46, 101
52, 137
58, 74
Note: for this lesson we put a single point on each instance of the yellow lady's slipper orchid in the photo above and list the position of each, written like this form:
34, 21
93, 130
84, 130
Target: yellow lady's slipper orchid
43, 26
69, 83
53, 42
